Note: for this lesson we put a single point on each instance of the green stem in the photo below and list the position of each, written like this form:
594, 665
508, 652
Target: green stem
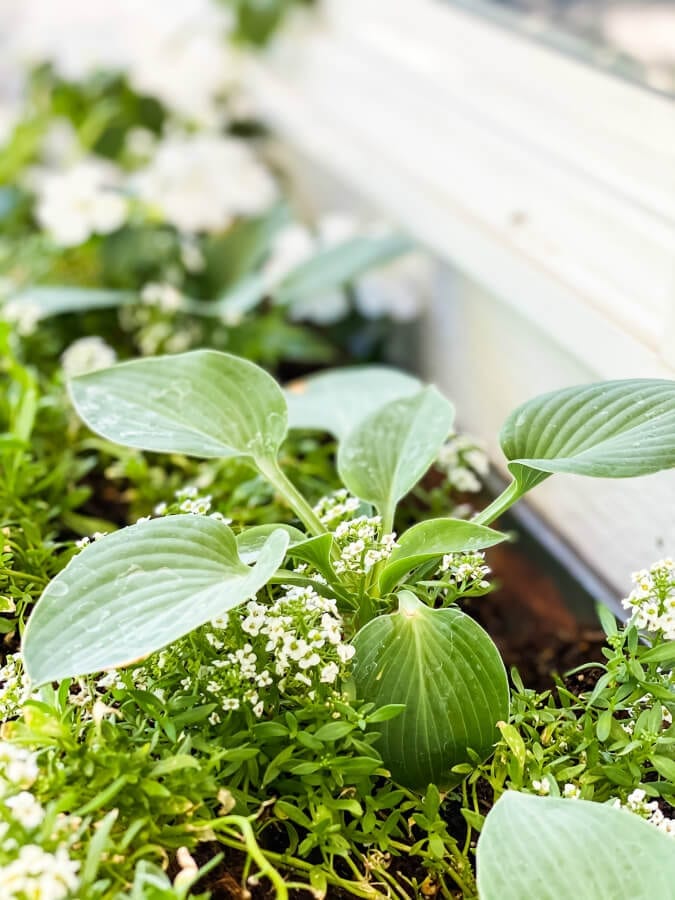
283, 576
270, 470
499, 505
264, 865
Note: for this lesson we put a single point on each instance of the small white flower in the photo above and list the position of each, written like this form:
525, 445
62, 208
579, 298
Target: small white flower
164, 296
329, 673
25, 809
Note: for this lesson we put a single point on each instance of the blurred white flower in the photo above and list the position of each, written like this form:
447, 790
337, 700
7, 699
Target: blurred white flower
79, 201
202, 182
400, 289
87, 355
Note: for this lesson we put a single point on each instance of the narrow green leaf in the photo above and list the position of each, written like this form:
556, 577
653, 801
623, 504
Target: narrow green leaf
388, 452
337, 266
614, 429
662, 653
431, 540
138, 589
54, 300
552, 849
338, 400
449, 675
201, 403
665, 767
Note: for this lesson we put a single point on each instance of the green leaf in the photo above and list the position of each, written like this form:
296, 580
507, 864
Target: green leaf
54, 300
662, 653
614, 429
317, 552
337, 266
138, 589
201, 403
552, 849
449, 675
252, 541
432, 539
665, 767
389, 451
338, 400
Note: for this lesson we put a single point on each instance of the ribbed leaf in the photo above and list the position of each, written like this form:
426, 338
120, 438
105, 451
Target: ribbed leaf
338, 265
449, 675
545, 848
388, 452
432, 539
615, 429
338, 400
138, 589
201, 403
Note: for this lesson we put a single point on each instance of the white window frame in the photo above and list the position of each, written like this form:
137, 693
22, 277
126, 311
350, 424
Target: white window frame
548, 187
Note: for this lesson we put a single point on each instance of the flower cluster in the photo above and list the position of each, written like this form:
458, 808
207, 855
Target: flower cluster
294, 643
652, 600
14, 688
466, 571
28, 870
637, 803
187, 500
359, 540
463, 461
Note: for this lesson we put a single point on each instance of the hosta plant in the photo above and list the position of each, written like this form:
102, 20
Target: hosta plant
143, 587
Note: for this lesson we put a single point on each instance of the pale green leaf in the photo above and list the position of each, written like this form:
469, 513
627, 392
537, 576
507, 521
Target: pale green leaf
136, 590
201, 403
337, 266
251, 541
338, 400
54, 300
614, 429
449, 675
388, 452
316, 551
432, 539
546, 848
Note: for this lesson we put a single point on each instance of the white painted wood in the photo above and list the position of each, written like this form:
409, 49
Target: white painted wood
548, 191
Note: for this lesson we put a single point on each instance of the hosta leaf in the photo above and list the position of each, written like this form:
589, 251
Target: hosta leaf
338, 400
614, 429
552, 849
388, 452
432, 539
338, 265
449, 675
201, 403
317, 552
138, 589
251, 541
54, 300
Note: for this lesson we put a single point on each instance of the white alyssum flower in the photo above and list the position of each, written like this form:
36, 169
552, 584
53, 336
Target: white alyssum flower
399, 290
463, 461
88, 354
202, 182
465, 570
37, 875
25, 809
571, 791
542, 787
162, 295
23, 313
80, 201
18, 766
637, 803
652, 600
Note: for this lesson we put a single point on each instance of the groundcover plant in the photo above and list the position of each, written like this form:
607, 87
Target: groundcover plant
344, 611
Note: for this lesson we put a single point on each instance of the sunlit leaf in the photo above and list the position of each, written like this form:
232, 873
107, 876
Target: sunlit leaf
449, 675
552, 849
252, 541
432, 539
316, 552
336, 401
136, 590
388, 452
201, 403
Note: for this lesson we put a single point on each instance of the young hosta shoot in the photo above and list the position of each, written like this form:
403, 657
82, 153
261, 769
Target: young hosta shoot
449, 675
145, 586
555, 849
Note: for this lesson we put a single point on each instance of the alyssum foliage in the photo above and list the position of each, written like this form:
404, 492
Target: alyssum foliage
147, 585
